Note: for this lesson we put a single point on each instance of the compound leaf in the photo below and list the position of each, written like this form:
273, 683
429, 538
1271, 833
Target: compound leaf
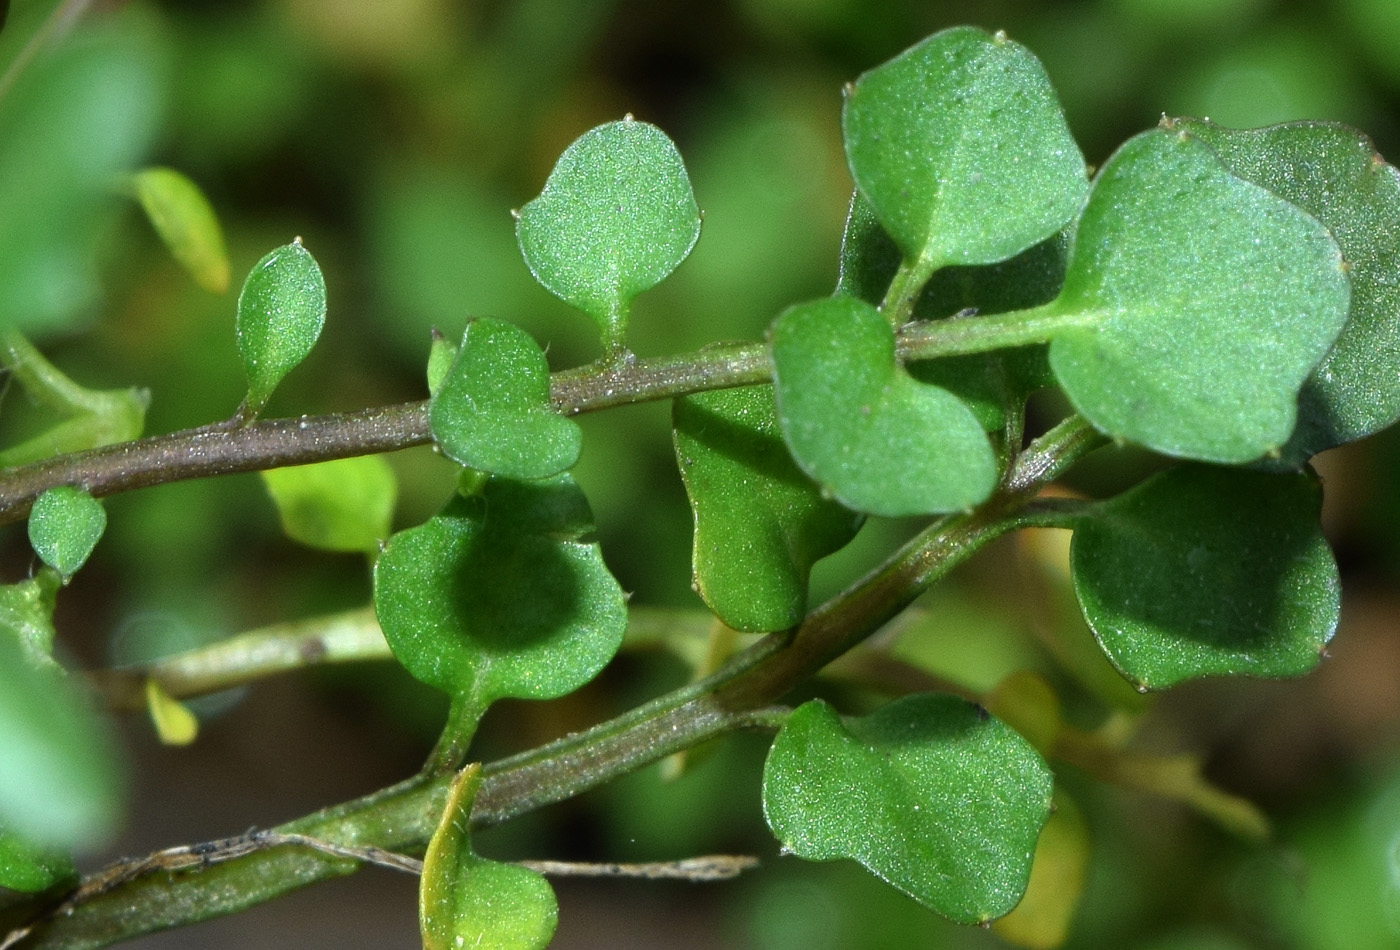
1203, 571
855, 421
760, 523
281, 311
962, 150
1334, 174
616, 216
65, 525
929, 793
500, 595
492, 410
1199, 303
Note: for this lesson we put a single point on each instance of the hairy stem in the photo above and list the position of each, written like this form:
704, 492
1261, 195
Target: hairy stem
740, 695
225, 448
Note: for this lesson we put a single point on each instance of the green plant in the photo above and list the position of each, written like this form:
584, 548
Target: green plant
1226, 299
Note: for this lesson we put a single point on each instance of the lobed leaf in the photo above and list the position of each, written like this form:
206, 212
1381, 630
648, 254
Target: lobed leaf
65, 525
186, 223
1203, 571
962, 150
339, 505
855, 421
929, 793
1198, 304
616, 216
281, 311
492, 411
467, 901
1334, 174
760, 523
500, 595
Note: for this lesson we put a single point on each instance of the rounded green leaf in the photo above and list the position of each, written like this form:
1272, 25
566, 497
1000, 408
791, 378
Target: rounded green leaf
1334, 174
1203, 571
186, 222
500, 595
281, 310
467, 901
65, 525
340, 505
61, 782
616, 216
855, 421
962, 149
930, 794
492, 411
1200, 302
988, 383
28, 869
760, 523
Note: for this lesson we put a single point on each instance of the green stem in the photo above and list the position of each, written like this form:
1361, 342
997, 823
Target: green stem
402, 818
450, 753
903, 292
350, 637
223, 448
958, 336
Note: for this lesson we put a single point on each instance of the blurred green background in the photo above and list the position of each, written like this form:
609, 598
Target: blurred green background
394, 136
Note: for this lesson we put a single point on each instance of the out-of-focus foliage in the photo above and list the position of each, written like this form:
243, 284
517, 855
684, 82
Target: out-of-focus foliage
395, 136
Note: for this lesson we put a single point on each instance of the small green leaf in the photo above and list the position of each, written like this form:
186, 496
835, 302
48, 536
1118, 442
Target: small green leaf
760, 523
616, 216
93, 417
467, 901
280, 314
175, 724
492, 412
1203, 571
879, 441
65, 525
26, 868
1334, 174
441, 355
186, 222
501, 595
930, 794
61, 782
1197, 304
962, 150
340, 505
26, 614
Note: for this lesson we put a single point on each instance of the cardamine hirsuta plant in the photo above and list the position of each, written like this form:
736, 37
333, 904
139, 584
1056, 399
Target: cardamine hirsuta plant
1227, 299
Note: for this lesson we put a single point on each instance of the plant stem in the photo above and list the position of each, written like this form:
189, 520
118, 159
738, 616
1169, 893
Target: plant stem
227, 447
403, 817
349, 637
